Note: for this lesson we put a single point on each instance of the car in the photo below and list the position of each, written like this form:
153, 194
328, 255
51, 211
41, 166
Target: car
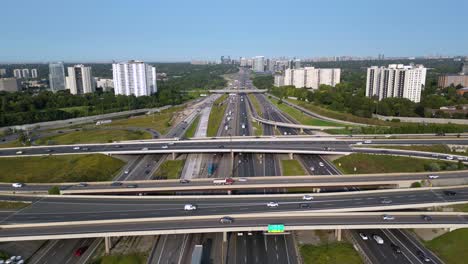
422, 256
363, 236
184, 181
272, 204
190, 207
132, 186
395, 248
358, 143
368, 141
307, 197
226, 220
378, 239
386, 201
116, 184
426, 217
76, 148
126, 171
387, 217
82, 184
117, 146
449, 157
240, 234
144, 149
321, 164
165, 147
49, 150
450, 193
85, 149
221, 146
19, 152
462, 158
80, 251
147, 171
17, 185
304, 205
170, 143
242, 179
433, 176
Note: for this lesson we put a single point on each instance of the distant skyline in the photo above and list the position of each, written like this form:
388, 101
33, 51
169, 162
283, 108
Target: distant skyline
163, 31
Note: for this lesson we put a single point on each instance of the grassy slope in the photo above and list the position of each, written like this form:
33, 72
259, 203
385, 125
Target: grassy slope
170, 169
69, 168
258, 128
451, 247
12, 144
333, 253
292, 168
367, 163
216, 115
134, 258
193, 128
302, 118
256, 104
13, 205
428, 148
159, 121
94, 136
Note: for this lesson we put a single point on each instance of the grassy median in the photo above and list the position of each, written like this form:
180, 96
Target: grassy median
332, 253
451, 247
9, 205
292, 168
133, 258
216, 115
256, 104
94, 136
428, 148
368, 163
68, 168
192, 128
169, 169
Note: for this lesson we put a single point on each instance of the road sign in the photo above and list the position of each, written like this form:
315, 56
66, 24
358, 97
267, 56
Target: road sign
276, 228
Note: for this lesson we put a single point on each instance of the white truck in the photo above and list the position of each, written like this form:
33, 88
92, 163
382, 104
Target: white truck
227, 181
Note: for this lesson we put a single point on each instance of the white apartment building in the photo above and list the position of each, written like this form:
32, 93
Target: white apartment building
258, 64
80, 80
311, 77
279, 80
25, 73
396, 80
134, 78
105, 84
34, 73
17, 73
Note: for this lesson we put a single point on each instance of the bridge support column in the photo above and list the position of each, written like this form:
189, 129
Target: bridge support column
276, 127
108, 244
225, 237
338, 234
173, 156
291, 155
301, 130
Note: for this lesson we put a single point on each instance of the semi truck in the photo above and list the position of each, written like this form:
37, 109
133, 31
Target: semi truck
227, 181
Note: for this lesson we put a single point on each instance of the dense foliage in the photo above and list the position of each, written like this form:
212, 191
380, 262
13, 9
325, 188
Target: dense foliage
31, 107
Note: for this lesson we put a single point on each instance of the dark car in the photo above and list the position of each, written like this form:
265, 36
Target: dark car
147, 171
116, 184
395, 248
85, 149
423, 256
221, 146
426, 217
132, 186
450, 193
184, 181
117, 146
226, 220
49, 150
80, 251
304, 205
82, 184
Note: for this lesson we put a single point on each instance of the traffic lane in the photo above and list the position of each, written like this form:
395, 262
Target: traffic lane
259, 222
380, 253
40, 211
411, 244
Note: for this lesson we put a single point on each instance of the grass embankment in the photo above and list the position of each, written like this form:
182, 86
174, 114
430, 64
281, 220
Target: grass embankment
451, 247
192, 128
69, 168
460, 207
169, 169
258, 128
13, 205
160, 122
292, 168
333, 253
134, 258
301, 117
428, 148
368, 163
12, 144
216, 115
256, 105
94, 136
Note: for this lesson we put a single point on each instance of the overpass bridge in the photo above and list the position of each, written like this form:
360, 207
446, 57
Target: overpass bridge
292, 125
237, 91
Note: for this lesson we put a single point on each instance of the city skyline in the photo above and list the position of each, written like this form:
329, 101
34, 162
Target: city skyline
207, 30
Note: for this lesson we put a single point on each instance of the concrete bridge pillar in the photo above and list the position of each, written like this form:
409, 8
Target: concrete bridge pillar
338, 234
173, 155
301, 130
276, 126
108, 244
225, 237
291, 155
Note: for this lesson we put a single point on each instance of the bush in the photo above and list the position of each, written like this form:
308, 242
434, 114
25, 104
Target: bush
416, 185
432, 167
55, 190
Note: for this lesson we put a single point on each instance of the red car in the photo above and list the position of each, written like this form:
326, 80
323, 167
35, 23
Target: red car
80, 251
229, 181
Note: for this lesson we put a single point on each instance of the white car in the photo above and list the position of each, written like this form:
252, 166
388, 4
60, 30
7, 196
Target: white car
127, 172
76, 148
307, 198
190, 207
462, 158
164, 147
433, 176
378, 239
388, 217
17, 185
19, 152
242, 179
272, 204
358, 143
368, 141
449, 157
321, 164
363, 236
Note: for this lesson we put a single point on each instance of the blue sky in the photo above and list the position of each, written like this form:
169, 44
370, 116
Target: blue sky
153, 30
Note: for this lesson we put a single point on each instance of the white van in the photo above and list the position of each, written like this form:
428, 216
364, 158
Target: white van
190, 207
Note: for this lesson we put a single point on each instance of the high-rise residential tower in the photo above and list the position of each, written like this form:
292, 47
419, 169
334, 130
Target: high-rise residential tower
134, 78
258, 64
33, 73
17, 73
80, 80
56, 76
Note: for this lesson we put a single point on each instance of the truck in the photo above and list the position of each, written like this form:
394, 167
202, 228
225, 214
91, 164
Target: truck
227, 181
211, 168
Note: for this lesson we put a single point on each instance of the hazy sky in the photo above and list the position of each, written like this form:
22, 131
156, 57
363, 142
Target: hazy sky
172, 30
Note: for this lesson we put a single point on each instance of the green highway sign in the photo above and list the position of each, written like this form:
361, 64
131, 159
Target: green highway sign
276, 228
